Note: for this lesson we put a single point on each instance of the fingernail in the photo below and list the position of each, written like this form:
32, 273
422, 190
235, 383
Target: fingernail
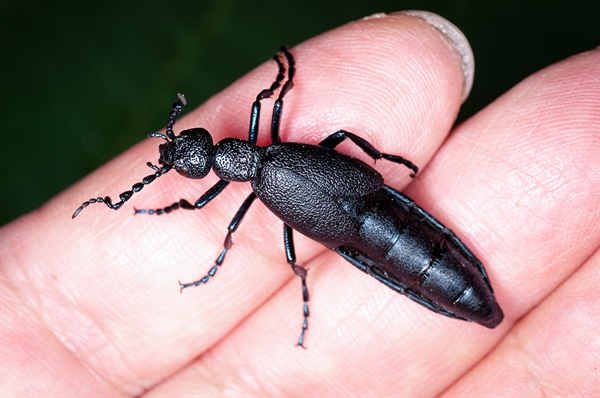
456, 38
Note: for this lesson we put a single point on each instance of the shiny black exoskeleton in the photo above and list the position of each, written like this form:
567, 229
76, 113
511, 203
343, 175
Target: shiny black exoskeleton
339, 201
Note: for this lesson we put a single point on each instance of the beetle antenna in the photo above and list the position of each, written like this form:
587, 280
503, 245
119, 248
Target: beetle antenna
125, 196
158, 171
177, 106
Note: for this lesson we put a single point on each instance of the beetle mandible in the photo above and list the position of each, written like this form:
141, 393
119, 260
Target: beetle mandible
312, 188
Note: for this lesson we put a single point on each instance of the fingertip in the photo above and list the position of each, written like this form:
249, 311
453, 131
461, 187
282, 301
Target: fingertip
458, 41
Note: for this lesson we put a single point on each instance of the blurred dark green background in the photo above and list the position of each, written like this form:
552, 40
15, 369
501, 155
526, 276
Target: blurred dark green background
81, 81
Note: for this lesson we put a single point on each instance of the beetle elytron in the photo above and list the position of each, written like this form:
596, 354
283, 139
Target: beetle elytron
334, 199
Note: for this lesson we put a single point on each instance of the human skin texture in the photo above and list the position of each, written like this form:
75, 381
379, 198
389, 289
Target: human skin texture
91, 306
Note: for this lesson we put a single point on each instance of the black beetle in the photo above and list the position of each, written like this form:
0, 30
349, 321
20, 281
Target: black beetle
339, 201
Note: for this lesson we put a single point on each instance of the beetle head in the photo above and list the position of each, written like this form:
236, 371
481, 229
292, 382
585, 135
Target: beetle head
190, 153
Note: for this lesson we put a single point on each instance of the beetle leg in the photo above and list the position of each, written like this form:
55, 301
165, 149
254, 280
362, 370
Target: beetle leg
339, 136
233, 225
278, 106
301, 272
184, 204
266, 93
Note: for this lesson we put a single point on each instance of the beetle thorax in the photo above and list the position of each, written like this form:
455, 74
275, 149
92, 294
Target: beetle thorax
236, 160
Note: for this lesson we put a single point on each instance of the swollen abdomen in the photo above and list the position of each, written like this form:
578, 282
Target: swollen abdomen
416, 253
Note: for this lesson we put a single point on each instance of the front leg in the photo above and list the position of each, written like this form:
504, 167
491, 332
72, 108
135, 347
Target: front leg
184, 204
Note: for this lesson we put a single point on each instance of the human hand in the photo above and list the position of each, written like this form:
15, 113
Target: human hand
92, 306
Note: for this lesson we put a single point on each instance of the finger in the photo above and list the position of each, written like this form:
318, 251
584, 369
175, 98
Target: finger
117, 274
34, 359
550, 231
521, 182
551, 351
368, 340
253, 342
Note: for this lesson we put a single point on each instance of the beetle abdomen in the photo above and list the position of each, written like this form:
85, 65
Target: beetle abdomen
410, 251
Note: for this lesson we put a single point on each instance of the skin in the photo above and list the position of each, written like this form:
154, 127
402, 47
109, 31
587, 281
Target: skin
91, 306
